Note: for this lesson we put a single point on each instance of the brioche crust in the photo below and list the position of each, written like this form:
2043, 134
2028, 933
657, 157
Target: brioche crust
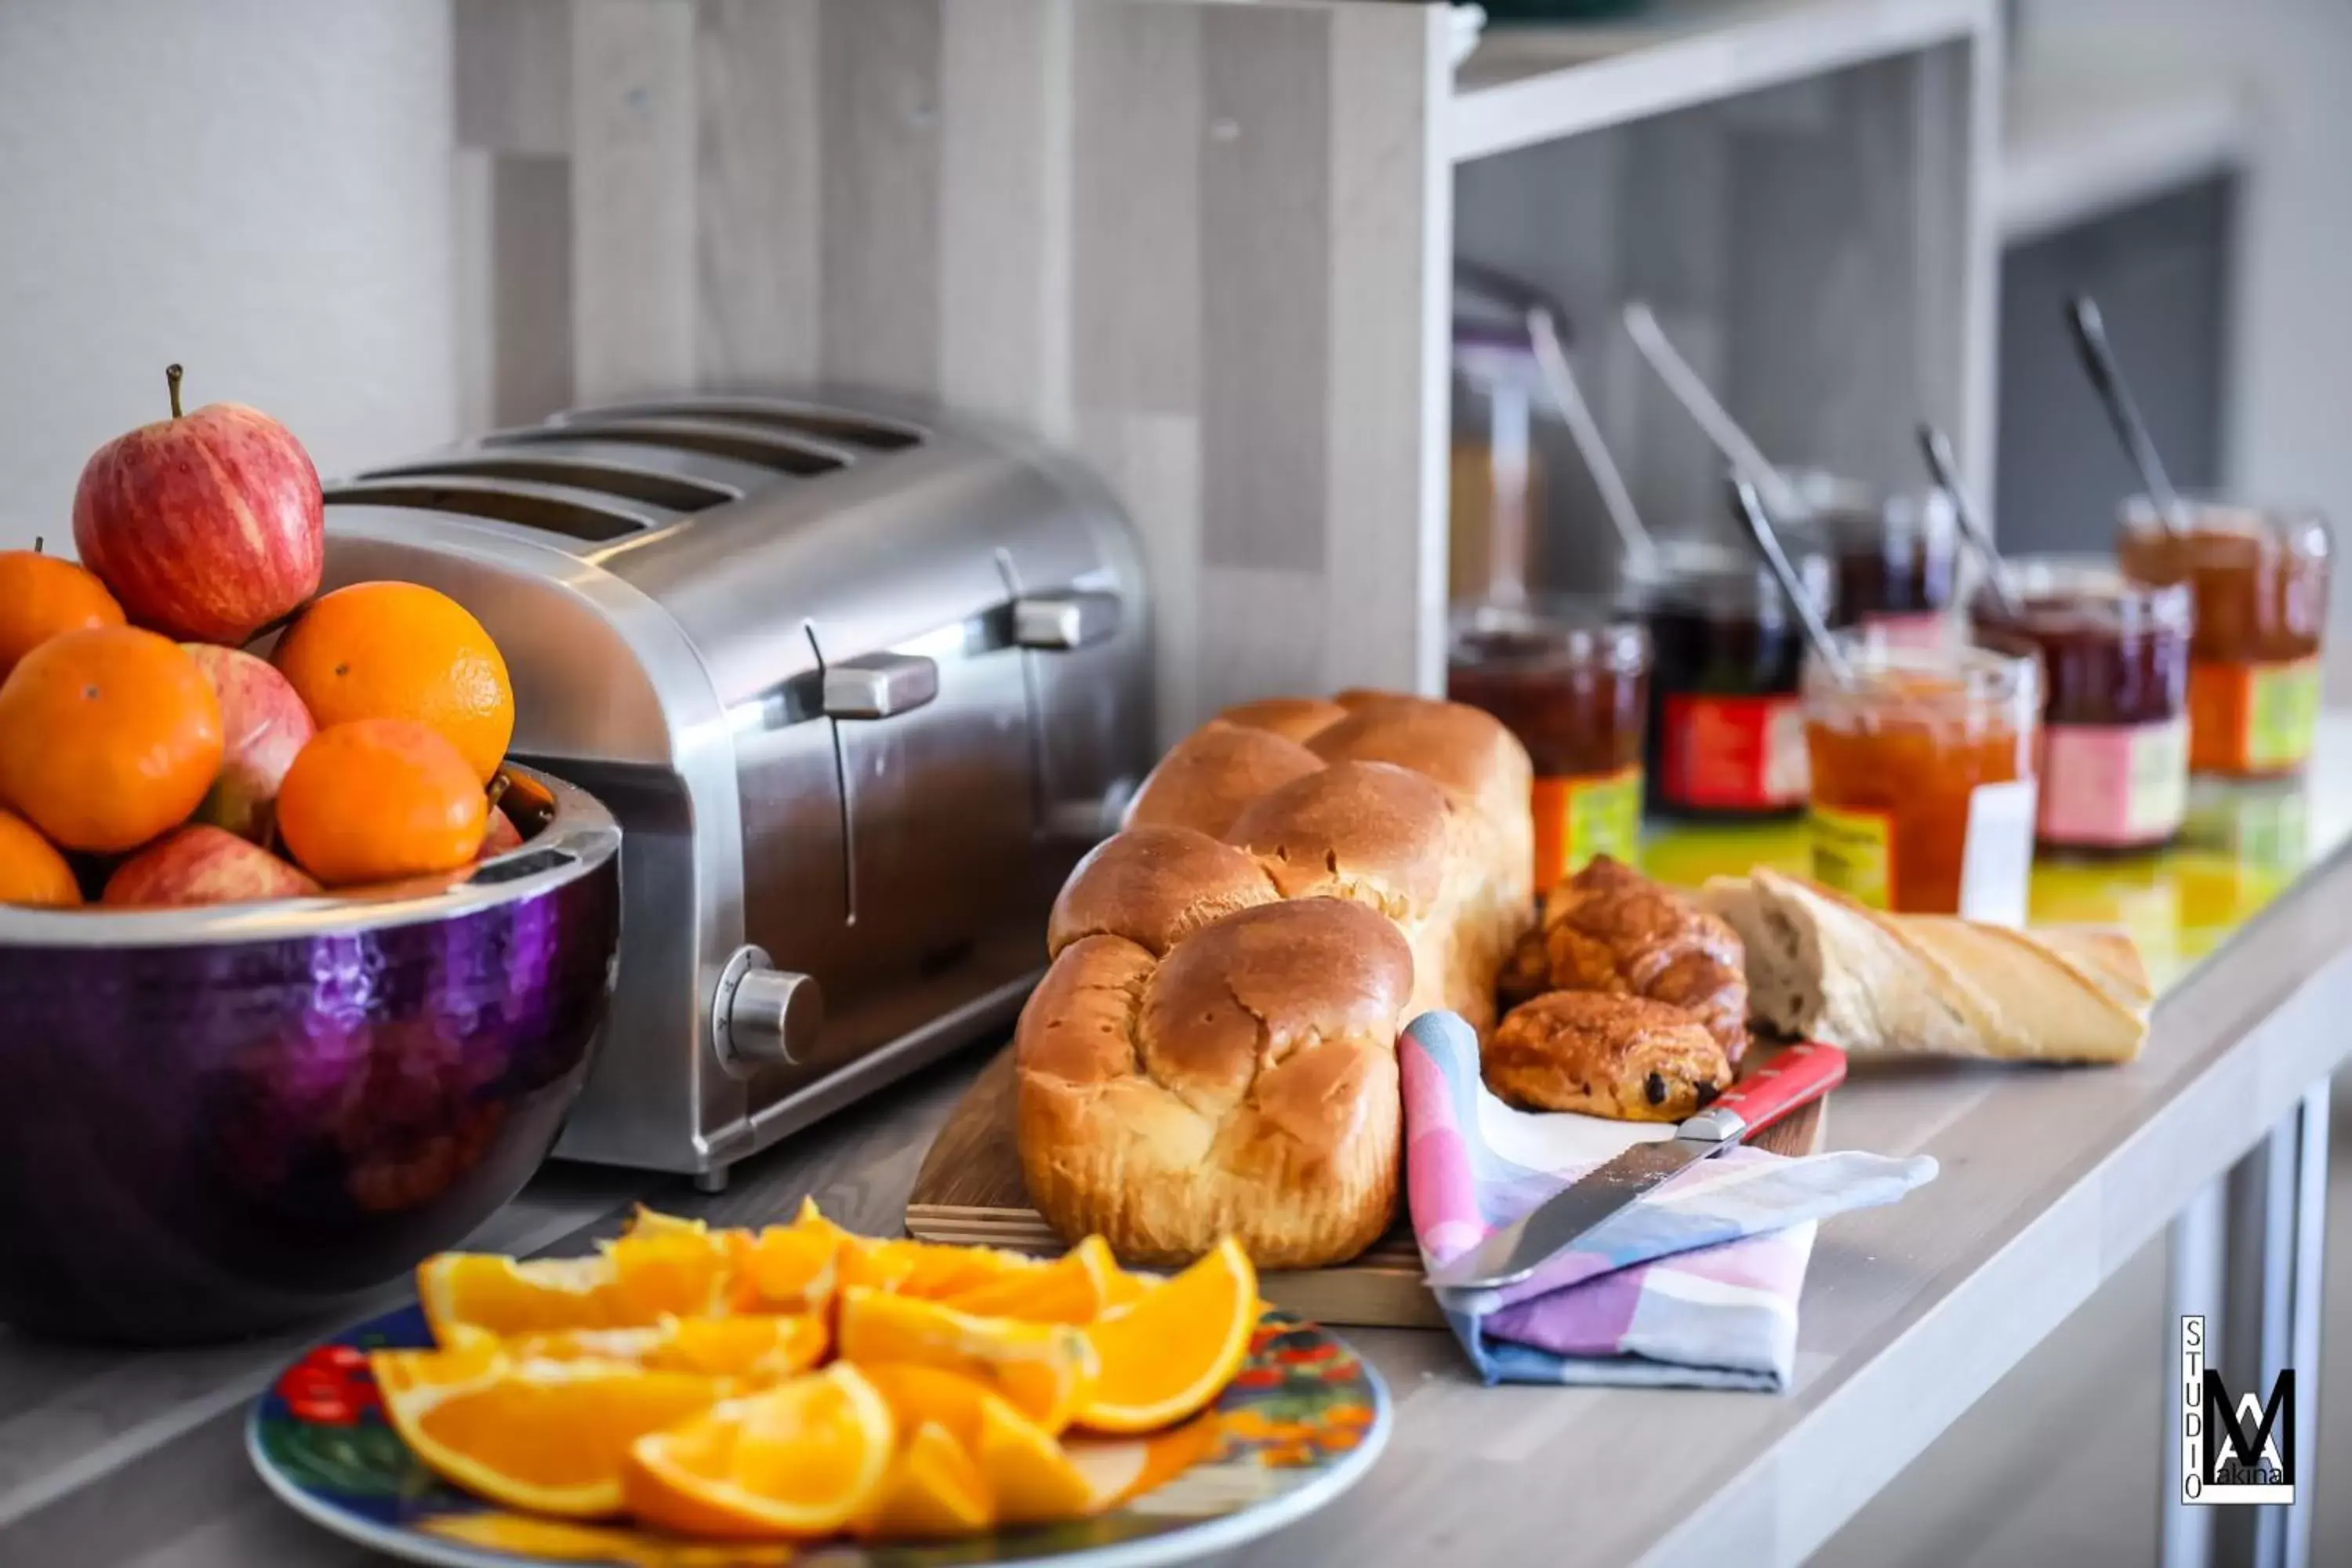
1214, 1050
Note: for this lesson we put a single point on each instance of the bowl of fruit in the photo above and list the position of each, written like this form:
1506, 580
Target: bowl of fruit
299, 973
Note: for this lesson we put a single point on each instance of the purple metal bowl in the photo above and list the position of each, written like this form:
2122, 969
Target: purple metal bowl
221, 1120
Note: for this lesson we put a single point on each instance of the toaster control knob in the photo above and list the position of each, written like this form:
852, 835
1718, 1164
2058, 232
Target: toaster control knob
1063, 620
764, 1016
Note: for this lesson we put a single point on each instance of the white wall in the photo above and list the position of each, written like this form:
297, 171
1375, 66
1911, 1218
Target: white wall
258, 188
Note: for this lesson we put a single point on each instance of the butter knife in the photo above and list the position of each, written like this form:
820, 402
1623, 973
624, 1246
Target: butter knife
1795, 1077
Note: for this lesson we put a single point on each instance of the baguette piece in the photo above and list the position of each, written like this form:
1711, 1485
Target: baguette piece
1823, 967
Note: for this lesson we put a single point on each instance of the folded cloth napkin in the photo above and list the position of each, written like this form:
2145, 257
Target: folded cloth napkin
1694, 1284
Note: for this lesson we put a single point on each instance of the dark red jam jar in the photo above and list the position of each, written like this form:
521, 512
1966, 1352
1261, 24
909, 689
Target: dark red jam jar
1571, 678
2114, 718
1726, 736
1896, 557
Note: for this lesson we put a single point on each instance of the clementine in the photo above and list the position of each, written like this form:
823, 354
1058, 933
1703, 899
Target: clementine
31, 870
376, 800
108, 736
400, 650
42, 595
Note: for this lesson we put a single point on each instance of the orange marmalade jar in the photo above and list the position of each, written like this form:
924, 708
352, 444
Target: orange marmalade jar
1923, 784
2260, 581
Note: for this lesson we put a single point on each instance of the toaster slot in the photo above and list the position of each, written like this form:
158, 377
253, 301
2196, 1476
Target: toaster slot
873, 434
553, 509
649, 485
770, 449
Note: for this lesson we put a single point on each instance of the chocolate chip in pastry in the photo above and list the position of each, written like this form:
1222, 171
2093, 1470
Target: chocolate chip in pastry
1616, 1056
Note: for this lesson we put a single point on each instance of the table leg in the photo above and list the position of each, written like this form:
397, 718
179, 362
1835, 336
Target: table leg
2304, 1316
2199, 1243
2269, 1298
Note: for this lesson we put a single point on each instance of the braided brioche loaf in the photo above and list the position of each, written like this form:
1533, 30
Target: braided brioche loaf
1214, 1050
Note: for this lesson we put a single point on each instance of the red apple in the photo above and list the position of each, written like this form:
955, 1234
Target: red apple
500, 836
263, 724
206, 526
203, 865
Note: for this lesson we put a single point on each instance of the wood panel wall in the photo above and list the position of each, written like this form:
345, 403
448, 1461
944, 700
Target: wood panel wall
1203, 245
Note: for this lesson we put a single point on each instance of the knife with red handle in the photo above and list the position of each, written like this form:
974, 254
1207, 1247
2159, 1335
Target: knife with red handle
1795, 1077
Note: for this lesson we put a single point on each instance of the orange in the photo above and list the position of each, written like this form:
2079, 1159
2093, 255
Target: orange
1032, 1480
631, 1283
760, 1350
31, 870
400, 650
1074, 1288
376, 800
1172, 1353
42, 596
922, 1395
934, 1491
1044, 1370
108, 737
801, 1459
550, 1436
783, 1269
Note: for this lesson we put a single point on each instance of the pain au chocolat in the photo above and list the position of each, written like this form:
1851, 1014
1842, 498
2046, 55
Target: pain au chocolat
1214, 1050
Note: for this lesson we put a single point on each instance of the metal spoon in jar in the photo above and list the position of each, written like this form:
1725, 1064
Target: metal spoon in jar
1552, 359
1946, 470
2090, 333
1750, 507
1746, 458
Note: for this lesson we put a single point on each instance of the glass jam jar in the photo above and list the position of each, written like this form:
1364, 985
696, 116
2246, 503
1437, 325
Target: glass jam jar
1725, 736
1571, 678
1923, 779
2114, 762
2259, 582
1897, 557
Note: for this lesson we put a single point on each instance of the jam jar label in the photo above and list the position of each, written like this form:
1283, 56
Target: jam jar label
1853, 852
2112, 785
2252, 718
1996, 863
1733, 753
1580, 817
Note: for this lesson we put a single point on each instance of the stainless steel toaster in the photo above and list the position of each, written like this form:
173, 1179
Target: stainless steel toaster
860, 682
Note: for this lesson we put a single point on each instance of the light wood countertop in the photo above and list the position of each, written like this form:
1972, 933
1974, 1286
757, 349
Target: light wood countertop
2051, 1179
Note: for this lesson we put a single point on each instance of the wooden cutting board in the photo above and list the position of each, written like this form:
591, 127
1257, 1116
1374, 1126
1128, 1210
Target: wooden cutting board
969, 1191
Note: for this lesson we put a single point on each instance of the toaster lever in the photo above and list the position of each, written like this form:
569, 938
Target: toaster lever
878, 685
1063, 620
764, 1016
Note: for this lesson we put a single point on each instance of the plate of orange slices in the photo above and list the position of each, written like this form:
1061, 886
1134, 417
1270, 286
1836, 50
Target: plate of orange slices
690, 1397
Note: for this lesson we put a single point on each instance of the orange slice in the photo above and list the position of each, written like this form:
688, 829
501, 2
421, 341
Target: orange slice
546, 1436
1169, 1354
758, 1349
1074, 1288
801, 1460
631, 1283
931, 1396
934, 1492
1032, 1480
1126, 1289
783, 1269
1045, 1369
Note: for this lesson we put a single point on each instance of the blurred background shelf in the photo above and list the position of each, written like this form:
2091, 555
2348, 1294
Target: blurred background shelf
1531, 83
2080, 142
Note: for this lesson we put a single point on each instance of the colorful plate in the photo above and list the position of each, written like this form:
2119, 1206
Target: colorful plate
1301, 1422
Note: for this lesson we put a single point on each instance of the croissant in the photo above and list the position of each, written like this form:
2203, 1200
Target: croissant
1609, 929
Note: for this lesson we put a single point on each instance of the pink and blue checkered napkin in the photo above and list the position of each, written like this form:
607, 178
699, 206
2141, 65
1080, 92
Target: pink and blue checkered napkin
1695, 1284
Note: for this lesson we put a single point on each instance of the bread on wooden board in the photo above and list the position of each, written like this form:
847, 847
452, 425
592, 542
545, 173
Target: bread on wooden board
1213, 1050
1824, 967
